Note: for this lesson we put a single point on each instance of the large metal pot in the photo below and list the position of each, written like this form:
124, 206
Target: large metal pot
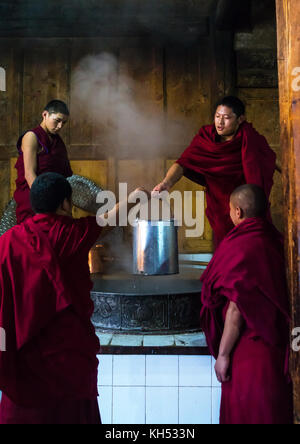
155, 247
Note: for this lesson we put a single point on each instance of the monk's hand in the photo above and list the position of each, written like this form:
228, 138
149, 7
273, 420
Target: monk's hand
163, 186
222, 368
139, 193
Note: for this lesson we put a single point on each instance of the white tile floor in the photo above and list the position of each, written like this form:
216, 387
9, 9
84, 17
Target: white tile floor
139, 389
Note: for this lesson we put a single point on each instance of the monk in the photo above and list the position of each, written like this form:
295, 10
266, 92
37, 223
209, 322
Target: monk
245, 315
41, 150
221, 157
48, 373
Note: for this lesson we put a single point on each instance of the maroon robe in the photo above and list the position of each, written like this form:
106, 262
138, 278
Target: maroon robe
52, 158
222, 167
248, 268
45, 309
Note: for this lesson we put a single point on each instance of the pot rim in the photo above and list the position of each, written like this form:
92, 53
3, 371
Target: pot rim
155, 223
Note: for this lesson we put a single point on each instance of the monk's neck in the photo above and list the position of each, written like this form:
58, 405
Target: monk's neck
42, 125
227, 138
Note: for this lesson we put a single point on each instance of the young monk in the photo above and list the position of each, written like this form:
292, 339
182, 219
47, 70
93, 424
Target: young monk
221, 157
48, 373
245, 315
41, 150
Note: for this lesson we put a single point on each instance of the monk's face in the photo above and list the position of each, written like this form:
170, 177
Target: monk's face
54, 122
227, 123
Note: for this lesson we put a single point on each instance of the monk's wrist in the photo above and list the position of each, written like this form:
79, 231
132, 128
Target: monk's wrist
224, 354
166, 183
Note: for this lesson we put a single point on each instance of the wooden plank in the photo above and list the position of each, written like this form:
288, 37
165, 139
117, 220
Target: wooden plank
140, 108
188, 92
262, 110
89, 123
140, 173
288, 29
4, 184
143, 65
12, 176
11, 62
222, 66
256, 68
46, 77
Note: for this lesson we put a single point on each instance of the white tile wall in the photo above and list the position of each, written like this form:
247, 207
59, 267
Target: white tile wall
105, 403
105, 372
162, 405
138, 389
162, 371
129, 370
195, 371
216, 400
195, 405
129, 405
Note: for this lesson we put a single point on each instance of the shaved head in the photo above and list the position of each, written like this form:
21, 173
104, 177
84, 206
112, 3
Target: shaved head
251, 199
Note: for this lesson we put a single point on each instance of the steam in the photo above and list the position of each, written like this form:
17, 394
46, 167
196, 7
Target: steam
122, 115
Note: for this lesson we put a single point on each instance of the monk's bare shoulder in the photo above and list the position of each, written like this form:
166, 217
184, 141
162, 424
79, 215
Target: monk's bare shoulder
30, 142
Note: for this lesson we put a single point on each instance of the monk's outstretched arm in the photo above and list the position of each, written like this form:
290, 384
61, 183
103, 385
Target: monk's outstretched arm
110, 219
231, 333
173, 175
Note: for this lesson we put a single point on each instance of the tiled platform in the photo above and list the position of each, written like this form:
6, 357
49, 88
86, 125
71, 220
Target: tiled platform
186, 344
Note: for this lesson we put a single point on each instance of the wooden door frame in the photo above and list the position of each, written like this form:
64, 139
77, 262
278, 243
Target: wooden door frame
288, 37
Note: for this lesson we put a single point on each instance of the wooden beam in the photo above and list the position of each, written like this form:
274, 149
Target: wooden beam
92, 18
288, 32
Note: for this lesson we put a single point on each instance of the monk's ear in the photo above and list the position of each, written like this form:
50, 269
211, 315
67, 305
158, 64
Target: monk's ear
67, 206
45, 114
241, 119
240, 213
68, 203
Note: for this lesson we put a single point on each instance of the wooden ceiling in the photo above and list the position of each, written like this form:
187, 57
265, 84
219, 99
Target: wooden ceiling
92, 18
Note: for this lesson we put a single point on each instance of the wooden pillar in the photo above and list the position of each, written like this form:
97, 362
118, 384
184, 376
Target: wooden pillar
288, 31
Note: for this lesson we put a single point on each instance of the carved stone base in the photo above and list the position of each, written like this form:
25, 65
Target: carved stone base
146, 304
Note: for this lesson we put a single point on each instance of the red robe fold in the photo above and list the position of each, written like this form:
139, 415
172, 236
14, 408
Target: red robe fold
248, 268
222, 167
52, 158
45, 310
